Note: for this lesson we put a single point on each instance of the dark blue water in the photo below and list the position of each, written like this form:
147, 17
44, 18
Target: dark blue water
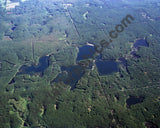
42, 65
70, 75
86, 52
104, 67
107, 67
141, 42
134, 100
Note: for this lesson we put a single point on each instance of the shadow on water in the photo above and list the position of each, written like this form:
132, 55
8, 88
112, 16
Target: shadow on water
42, 65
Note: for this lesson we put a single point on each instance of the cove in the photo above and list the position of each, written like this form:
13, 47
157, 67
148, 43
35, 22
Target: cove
141, 42
42, 65
107, 67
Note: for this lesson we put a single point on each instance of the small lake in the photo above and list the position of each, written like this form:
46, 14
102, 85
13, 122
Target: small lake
134, 100
70, 75
42, 65
107, 67
141, 42
86, 52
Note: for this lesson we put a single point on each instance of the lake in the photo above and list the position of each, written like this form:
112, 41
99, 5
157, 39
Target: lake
86, 52
104, 67
42, 65
107, 67
132, 100
70, 75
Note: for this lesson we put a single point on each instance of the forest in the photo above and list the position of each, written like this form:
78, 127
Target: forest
56, 30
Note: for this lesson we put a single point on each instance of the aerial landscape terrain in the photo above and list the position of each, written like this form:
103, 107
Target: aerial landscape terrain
79, 64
